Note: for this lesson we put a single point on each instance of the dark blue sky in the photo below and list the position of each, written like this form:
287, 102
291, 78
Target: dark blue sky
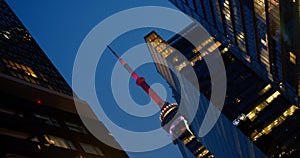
59, 27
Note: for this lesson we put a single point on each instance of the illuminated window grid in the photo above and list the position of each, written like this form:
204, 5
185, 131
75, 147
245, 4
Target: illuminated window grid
158, 57
200, 56
227, 13
181, 66
59, 142
254, 113
259, 7
198, 150
279, 120
203, 153
17, 66
203, 44
188, 139
161, 46
263, 91
196, 58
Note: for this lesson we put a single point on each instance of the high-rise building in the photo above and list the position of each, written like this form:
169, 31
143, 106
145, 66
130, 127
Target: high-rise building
38, 117
263, 34
256, 120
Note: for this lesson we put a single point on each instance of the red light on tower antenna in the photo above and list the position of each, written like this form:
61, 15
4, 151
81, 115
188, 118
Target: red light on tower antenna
140, 81
39, 101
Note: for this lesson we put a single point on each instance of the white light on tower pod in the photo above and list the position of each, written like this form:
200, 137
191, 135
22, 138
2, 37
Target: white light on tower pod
171, 120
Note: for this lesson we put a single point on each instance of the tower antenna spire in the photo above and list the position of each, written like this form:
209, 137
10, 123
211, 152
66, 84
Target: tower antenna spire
140, 81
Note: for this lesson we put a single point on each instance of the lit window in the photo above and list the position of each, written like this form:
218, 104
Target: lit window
203, 44
18, 66
175, 59
188, 139
214, 47
181, 66
259, 6
6, 34
263, 91
279, 120
253, 113
203, 153
60, 142
91, 149
195, 59
292, 58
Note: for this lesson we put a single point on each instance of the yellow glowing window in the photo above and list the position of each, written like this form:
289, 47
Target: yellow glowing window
195, 59
31, 72
59, 142
165, 53
203, 44
199, 149
175, 59
227, 16
214, 46
203, 153
181, 66
189, 139
263, 91
279, 120
272, 97
253, 113
17, 66
293, 58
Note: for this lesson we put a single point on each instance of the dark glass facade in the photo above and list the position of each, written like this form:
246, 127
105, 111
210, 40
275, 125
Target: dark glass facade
23, 58
256, 120
37, 112
263, 34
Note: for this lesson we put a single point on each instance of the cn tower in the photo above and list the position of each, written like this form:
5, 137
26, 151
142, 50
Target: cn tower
171, 120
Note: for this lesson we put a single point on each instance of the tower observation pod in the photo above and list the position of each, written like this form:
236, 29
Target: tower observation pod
171, 120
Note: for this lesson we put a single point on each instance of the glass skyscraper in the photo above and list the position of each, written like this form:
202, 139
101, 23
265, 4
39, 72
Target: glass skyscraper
256, 120
263, 34
38, 117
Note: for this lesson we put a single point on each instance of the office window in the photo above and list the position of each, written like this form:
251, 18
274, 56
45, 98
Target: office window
259, 6
278, 121
91, 149
292, 58
60, 142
